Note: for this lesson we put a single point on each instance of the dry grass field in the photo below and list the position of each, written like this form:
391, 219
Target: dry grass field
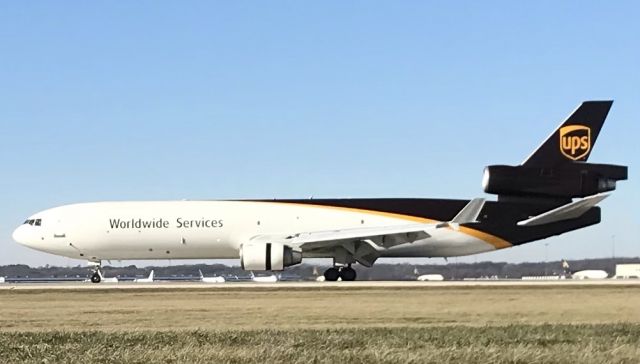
592, 324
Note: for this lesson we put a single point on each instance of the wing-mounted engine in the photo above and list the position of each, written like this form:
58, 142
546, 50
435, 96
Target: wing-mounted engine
268, 256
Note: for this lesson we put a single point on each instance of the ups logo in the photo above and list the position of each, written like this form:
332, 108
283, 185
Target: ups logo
575, 141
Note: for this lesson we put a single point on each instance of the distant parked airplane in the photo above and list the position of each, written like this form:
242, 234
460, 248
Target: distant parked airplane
552, 192
264, 279
145, 280
216, 279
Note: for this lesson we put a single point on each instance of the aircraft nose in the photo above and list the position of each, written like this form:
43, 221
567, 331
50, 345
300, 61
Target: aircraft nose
20, 235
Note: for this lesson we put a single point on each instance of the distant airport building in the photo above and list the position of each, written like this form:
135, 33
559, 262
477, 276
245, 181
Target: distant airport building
431, 277
541, 278
626, 271
485, 278
590, 274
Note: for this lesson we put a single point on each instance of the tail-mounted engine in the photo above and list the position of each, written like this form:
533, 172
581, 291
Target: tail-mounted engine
268, 256
564, 181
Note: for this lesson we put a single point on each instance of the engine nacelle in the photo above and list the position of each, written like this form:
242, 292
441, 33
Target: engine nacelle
268, 256
564, 181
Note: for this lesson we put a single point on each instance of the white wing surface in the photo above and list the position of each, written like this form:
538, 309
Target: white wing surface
361, 244
384, 237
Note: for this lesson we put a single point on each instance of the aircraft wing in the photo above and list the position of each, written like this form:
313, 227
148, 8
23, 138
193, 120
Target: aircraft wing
364, 243
384, 237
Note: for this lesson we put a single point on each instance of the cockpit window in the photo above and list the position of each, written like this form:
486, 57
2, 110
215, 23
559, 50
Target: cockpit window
25, 222
38, 221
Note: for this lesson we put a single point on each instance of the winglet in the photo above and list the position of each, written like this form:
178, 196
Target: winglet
469, 214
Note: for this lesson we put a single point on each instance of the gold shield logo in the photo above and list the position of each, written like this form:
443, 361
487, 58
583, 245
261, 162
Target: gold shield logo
575, 141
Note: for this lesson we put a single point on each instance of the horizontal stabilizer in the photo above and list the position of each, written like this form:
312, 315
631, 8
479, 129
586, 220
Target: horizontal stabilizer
569, 211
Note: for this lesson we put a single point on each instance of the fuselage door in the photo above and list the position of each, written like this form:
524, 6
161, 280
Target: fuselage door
59, 232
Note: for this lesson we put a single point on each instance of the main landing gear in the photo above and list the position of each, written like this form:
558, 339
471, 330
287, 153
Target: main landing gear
96, 277
346, 273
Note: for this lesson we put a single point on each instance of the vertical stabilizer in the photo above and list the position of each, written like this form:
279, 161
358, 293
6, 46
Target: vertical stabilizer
574, 139
558, 171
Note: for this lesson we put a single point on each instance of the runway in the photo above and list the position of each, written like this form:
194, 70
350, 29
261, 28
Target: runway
314, 285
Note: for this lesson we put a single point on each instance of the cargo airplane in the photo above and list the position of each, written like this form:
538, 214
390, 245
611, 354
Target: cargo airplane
552, 192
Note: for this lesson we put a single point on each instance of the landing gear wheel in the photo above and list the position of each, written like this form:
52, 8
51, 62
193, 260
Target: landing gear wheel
95, 278
348, 274
331, 274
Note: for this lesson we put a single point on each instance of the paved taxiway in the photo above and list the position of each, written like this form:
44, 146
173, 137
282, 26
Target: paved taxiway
319, 285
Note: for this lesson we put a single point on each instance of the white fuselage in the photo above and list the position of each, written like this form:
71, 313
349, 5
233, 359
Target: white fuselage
212, 229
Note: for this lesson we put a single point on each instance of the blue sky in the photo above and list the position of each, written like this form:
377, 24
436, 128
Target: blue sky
169, 100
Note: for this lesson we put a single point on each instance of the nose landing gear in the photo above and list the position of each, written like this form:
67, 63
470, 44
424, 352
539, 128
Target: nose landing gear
345, 273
